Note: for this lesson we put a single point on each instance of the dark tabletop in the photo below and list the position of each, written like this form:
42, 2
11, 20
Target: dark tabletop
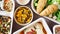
35, 16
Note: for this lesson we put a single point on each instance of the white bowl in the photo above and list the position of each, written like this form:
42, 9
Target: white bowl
54, 28
26, 23
25, 2
38, 20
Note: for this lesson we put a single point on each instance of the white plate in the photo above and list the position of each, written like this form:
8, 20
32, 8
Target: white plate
10, 23
32, 5
10, 14
38, 20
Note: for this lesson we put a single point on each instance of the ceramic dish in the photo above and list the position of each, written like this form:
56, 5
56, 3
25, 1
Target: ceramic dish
9, 14
45, 12
56, 29
25, 14
41, 20
22, 2
5, 24
11, 19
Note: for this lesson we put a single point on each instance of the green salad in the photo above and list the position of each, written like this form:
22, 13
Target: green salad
57, 14
35, 3
49, 2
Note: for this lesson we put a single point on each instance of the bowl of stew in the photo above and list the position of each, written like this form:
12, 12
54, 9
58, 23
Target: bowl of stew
23, 15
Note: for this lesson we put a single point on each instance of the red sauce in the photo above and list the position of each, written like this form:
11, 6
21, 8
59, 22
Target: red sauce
22, 32
29, 33
32, 32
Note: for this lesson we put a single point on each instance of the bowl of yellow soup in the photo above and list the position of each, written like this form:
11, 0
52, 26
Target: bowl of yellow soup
23, 15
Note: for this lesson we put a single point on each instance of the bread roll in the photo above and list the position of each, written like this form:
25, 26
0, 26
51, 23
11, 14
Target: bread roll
8, 5
49, 10
41, 4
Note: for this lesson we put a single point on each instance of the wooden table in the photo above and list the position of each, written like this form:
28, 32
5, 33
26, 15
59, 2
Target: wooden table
35, 16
